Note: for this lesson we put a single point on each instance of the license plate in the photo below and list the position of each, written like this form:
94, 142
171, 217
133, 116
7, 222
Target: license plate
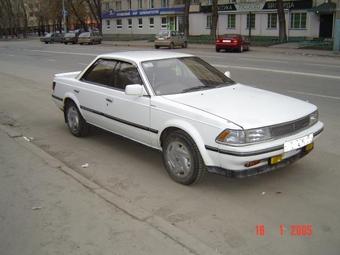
226, 41
298, 143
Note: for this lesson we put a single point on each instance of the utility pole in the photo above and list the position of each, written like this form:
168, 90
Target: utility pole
64, 17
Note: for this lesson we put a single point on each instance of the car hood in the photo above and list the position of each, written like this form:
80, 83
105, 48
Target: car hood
246, 106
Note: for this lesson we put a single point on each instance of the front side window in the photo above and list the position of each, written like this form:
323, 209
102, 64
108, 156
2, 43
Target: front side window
182, 75
231, 21
272, 20
126, 74
251, 20
298, 20
101, 72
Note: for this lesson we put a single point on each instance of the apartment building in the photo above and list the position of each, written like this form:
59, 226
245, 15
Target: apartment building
304, 18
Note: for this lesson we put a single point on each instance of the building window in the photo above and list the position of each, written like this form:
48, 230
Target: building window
209, 21
129, 23
119, 23
130, 5
272, 20
108, 24
209, 2
251, 19
140, 4
298, 20
152, 22
164, 3
107, 6
231, 21
164, 23
140, 23
151, 4
118, 5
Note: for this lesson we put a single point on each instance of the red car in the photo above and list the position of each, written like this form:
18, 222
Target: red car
232, 42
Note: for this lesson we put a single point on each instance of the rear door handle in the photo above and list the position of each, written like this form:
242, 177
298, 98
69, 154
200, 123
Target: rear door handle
75, 90
109, 100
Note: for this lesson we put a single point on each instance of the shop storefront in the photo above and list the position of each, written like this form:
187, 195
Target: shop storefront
258, 19
143, 21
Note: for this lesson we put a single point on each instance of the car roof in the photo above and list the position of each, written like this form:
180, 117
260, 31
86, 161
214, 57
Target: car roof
140, 56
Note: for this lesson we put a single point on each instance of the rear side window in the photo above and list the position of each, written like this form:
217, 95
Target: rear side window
101, 72
126, 74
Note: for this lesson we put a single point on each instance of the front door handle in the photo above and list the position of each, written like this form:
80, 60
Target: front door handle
75, 90
108, 100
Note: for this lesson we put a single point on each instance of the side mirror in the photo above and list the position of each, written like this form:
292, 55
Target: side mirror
227, 73
134, 90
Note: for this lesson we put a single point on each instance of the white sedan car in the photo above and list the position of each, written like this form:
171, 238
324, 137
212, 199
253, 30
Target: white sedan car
197, 116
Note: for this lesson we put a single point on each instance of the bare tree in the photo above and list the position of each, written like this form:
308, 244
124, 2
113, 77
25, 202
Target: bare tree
282, 21
214, 18
95, 7
186, 17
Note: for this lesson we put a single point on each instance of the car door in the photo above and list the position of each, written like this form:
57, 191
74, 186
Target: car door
92, 91
128, 115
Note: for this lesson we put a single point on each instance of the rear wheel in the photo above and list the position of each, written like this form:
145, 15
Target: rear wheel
182, 158
75, 122
185, 45
217, 50
172, 45
156, 47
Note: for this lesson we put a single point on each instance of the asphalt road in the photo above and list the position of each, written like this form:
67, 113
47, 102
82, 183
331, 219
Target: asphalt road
223, 213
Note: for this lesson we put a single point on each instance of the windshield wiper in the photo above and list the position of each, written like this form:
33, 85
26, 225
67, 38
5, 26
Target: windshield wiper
194, 88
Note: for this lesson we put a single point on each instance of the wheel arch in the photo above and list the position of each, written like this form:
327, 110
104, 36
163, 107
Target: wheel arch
71, 98
191, 132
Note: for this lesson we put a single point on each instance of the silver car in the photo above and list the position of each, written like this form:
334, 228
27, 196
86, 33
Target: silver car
170, 39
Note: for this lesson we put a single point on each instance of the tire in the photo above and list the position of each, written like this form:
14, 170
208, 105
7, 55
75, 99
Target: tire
217, 50
75, 121
182, 159
46, 42
172, 45
65, 43
156, 47
185, 45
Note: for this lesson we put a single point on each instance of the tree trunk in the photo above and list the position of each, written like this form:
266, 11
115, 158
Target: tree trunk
214, 19
282, 21
186, 17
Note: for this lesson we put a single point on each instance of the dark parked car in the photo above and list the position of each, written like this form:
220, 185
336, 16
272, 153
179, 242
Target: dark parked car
71, 37
52, 37
232, 42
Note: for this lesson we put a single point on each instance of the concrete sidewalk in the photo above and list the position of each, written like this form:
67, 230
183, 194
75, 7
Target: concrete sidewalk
44, 211
281, 49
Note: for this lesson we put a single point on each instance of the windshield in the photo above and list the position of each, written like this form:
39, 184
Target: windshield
164, 33
85, 34
181, 75
70, 35
48, 35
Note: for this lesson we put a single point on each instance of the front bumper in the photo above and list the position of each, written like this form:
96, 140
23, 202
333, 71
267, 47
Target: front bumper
232, 162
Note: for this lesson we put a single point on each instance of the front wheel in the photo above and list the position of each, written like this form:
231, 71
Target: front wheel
75, 122
182, 158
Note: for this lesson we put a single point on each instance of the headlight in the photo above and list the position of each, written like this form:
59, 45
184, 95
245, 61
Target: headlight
239, 137
313, 118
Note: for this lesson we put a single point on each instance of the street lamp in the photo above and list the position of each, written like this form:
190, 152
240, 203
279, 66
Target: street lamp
64, 17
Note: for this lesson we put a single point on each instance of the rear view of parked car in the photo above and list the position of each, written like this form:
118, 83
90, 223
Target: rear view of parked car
90, 38
52, 37
232, 43
70, 37
170, 39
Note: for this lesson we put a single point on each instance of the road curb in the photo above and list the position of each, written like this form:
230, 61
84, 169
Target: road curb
181, 237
